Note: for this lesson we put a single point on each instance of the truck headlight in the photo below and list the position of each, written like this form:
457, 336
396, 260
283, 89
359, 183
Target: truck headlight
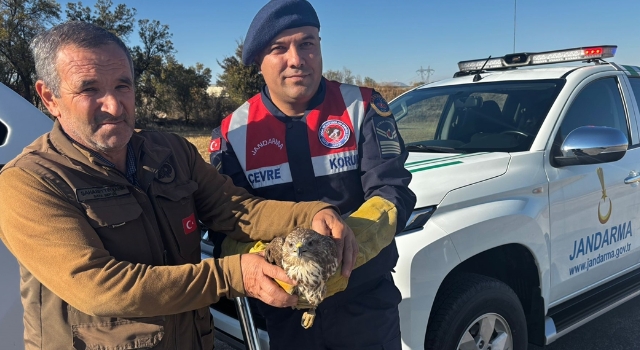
418, 219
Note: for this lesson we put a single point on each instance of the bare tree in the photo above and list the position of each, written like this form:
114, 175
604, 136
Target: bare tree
119, 21
20, 21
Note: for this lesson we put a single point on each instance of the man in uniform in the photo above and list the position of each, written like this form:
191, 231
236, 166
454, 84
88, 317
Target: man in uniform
103, 219
305, 138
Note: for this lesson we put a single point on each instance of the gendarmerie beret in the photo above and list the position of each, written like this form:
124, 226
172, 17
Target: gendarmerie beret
273, 18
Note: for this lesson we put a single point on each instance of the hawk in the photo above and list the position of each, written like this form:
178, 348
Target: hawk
308, 258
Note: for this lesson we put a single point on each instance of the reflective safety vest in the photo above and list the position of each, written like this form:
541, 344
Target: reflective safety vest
333, 133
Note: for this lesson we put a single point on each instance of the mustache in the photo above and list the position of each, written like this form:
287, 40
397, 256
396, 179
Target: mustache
297, 72
105, 118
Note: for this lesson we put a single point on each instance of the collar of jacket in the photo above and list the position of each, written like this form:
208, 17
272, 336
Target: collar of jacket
149, 155
315, 101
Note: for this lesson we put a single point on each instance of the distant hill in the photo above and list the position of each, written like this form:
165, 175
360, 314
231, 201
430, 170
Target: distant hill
393, 83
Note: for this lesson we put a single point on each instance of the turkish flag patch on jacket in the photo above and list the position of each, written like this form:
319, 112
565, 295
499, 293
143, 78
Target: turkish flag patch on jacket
189, 224
214, 145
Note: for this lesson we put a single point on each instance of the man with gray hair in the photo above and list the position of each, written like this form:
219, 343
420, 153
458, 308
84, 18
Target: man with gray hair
104, 219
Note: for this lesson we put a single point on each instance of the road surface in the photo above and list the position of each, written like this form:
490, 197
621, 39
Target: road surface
618, 329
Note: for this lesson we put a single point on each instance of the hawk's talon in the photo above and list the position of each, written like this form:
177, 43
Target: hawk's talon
307, 318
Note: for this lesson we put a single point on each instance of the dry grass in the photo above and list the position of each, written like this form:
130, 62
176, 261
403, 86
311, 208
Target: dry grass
201, 142
390, 92
197, 136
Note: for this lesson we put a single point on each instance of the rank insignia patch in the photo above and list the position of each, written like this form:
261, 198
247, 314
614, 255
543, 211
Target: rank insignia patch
216, 161
334, 133
379, 104
387, 135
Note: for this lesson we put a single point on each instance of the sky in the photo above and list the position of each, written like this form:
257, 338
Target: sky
390, 41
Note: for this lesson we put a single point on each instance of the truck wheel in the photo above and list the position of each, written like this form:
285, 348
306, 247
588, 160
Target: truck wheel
475, 312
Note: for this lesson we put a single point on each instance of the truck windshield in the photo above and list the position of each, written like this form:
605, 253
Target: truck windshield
480, 117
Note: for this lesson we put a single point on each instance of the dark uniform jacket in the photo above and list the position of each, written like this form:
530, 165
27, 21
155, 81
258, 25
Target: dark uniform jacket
344, 150
105, 264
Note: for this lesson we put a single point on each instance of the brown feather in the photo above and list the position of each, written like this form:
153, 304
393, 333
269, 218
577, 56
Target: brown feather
273, 251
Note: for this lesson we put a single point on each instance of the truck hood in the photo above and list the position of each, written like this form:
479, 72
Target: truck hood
20, 124
436, 174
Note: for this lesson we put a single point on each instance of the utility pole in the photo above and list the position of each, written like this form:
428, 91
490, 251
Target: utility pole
515, 8
428, 70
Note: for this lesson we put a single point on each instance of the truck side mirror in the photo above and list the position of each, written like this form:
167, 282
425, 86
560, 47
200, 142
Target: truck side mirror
592, 145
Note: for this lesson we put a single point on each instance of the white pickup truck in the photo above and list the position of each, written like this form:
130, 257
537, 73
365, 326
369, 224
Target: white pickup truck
526, 169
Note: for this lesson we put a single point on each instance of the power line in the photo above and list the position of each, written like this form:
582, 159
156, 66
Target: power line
428, 70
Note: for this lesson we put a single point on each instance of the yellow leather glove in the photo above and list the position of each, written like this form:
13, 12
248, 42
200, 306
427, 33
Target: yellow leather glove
233, 247
374, 225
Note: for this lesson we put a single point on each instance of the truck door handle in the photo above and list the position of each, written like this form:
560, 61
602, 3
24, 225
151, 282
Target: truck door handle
632, 178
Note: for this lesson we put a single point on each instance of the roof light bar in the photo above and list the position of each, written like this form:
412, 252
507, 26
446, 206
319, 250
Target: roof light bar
528, 59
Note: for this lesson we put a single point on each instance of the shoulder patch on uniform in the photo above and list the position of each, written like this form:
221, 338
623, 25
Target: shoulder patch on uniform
379, 104
387, 135
214, 145
166, 174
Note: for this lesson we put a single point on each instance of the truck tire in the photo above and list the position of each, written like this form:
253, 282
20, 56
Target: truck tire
476, 312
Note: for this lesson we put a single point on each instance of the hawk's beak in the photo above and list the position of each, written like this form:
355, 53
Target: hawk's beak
299, 249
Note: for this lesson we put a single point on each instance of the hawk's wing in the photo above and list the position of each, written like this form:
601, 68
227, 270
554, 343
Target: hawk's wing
327, 257
273, 252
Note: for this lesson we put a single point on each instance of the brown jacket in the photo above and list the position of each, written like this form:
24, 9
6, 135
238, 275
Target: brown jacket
107, 265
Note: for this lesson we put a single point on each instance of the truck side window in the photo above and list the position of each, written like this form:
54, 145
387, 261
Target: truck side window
425, 114
635, 86
598, 104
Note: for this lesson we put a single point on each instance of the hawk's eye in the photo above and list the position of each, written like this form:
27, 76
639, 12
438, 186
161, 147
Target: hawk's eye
290, 244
